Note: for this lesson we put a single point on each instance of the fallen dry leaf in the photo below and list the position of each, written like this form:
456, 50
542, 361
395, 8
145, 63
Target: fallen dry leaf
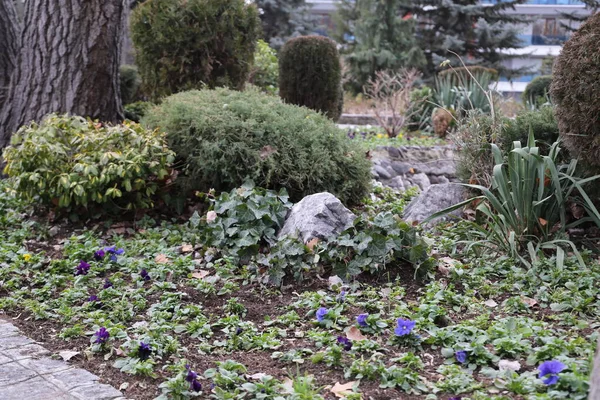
529, 301
504, 365
312, 243
490, 303
67, 354
120, 353
187, 248
412, 170
161, 259
211, 216
344, 390
201, 274
267, 151
288, 386
355, 334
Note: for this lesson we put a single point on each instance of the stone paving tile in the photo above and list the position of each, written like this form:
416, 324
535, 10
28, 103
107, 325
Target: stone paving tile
28, 373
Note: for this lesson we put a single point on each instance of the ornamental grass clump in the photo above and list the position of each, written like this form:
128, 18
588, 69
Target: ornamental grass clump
70, 163
526, 209
223, 137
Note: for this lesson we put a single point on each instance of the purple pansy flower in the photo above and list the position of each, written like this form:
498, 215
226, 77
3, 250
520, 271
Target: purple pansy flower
93, 298
321, 313
404, 327
114, 252
196, 386
345, 342
82, 269
362, 319
191, 375
144, 351
455, 398
461, 356
99, 255
107, 284
145, 275
551, 369
102, 336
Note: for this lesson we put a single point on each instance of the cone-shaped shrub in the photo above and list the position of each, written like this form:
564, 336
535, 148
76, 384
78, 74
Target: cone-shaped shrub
575, 91
186, 44
310, 74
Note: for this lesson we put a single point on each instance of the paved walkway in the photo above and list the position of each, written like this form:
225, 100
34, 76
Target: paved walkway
28, 373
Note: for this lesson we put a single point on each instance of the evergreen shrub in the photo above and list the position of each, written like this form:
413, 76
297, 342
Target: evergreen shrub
310, 74
186, 44
265, 71
541, 123
130, 84
575, 91
538, 88
222, 137
461, 75
73, 163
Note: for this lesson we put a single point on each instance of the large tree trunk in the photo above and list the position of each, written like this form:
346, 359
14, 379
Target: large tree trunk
9, 44
68, 63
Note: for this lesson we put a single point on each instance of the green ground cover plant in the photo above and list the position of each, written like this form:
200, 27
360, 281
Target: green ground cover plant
160, 314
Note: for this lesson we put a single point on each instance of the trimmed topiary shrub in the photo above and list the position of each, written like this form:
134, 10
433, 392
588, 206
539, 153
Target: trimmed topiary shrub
538, 88
310, 74
130, 84
223, 137
186, 44
575, 91
73, 163
541, 122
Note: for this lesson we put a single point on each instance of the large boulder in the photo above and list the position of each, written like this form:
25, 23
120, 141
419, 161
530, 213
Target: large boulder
432, 200
319, 215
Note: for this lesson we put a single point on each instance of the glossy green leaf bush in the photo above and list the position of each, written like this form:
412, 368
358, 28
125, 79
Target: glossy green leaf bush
187, 44
70, 162
224, 137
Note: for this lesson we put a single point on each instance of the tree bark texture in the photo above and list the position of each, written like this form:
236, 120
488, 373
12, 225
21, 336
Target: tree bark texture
68, 63
9, 44
595, 377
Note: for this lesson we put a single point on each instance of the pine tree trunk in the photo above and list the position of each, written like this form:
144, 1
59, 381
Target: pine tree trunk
9, 44
68, 63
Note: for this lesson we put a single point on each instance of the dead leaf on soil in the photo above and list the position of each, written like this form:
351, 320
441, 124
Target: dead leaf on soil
385, 292
67, 354
312, 243
187, 248
288, 386
529, 301
256, 377
344, 390
120, 352
355, 334
267, 151
490, 303
162, 259
201, 274
505, 365
335, 281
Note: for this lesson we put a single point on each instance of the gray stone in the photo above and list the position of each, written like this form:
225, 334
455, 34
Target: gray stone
14, 372
27, 351
382, 172
401, 167
72, 378
420, 180
34, 389
11, 342
397, 183
96, 392
319, 215
433, 200
438, 180
393, 152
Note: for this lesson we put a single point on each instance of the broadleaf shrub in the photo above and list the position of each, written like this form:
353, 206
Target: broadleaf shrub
575, 91
310, 74
223, 137
70, 162
265, 71
537, 90
186, 44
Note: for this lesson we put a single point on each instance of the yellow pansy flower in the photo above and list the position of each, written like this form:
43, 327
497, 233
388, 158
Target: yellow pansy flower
26, 257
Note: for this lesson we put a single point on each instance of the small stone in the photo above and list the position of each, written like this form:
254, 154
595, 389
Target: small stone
53, 231
434, 199
382, 172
